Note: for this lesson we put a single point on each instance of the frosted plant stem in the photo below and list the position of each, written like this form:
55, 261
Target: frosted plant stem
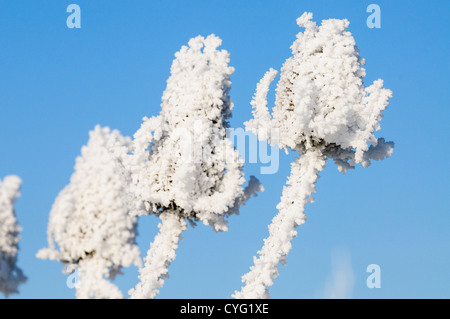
301, 185
159, 256
92, 282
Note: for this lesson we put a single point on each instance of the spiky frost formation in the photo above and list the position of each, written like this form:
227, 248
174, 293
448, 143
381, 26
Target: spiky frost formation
90, 225
10, 275
320, 97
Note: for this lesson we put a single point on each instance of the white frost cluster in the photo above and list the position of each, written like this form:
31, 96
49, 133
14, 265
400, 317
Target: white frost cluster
322, 109
90, 225
320, 97
183, 164
10, 275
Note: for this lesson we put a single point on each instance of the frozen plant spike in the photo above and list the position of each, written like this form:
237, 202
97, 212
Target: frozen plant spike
183, 165
322, 109
90, 226
320, 97
10, 275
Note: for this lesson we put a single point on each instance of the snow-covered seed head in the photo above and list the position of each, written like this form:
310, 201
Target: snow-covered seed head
10, 275
90, 224
320, 97
183, 161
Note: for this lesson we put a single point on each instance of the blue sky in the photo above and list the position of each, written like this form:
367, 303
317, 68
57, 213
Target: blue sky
58, 83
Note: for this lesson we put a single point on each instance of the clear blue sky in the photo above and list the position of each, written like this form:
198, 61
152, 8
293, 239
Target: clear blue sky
58, 83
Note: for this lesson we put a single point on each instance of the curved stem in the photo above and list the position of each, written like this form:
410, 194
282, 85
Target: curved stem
301, 185
159, 256
261, 123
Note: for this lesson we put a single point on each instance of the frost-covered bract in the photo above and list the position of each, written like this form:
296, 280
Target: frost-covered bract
322, 109
10, 275
184, 166
90, 225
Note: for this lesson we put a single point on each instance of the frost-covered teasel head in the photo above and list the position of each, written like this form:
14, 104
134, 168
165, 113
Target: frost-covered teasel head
321, 99
10, 275
183, 161
90, 225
